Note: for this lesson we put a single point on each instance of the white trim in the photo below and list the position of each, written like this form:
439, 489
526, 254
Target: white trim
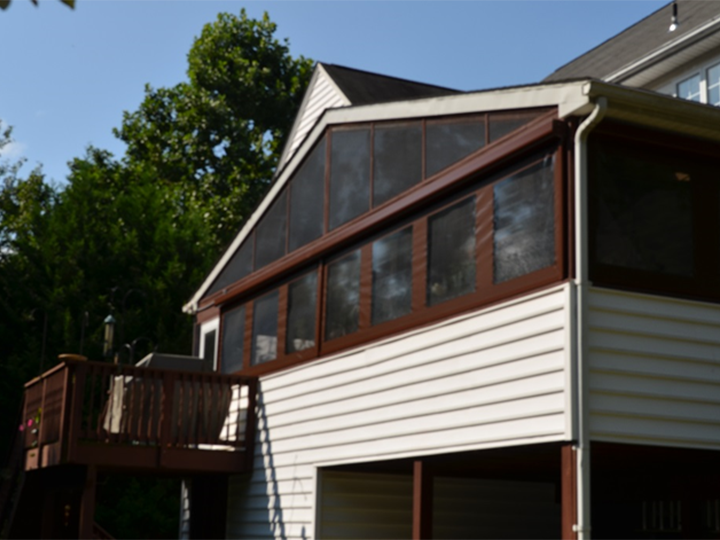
205, 329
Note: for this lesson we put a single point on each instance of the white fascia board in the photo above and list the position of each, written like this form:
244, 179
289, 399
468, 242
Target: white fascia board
665, 51
656, 110
568, 97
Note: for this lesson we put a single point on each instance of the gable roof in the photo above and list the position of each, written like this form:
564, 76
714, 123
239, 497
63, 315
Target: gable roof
641, 40
365, 88
333, 86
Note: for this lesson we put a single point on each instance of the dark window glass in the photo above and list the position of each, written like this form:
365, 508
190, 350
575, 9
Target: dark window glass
397, 161
307, 199
302, 307
240, 265
503, 123
643, 212
392, 276
209, 351
451, 252
450, 141
265, 326
233, 340
524, 222
349, 175
342, 310
270, 244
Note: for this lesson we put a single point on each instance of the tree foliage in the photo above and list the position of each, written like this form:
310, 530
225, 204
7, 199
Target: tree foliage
199, 156
219, 134
4, 4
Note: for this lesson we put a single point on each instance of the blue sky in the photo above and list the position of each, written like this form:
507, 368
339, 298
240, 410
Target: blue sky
66, 75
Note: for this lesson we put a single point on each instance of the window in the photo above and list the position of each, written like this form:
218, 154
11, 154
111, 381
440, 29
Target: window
342, 312
307, 200
349, 175
270, 244
397, 163
368, 165
265, 329
451, 252
302, 313
453, 247
713, 84
392, 276
233, 340
448, 141
689, 88
654, 221
524, 222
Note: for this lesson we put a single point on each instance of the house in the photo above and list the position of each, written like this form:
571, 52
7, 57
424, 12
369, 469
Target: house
489, 314
486, 314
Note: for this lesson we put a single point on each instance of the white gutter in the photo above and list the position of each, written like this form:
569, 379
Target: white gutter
582, 527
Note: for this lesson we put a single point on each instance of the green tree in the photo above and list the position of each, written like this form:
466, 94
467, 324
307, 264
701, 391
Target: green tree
199, 156
219, 134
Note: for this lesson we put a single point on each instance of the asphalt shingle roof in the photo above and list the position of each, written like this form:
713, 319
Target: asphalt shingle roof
365, 88
638, 40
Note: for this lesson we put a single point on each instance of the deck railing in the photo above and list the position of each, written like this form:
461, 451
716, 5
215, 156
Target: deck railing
90, 403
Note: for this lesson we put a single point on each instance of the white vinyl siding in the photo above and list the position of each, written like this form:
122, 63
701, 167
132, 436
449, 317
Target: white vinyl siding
654, 370
323, 95
492, 378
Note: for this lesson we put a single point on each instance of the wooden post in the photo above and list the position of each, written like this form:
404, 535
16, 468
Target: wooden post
87, 504
422, 501
568, 491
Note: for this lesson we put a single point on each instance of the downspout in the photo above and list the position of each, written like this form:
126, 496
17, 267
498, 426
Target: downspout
582, 526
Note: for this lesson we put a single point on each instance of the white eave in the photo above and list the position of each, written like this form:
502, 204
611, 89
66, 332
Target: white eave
572, 99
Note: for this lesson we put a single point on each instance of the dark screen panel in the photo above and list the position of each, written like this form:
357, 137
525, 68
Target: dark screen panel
397, 160
392, 276
449, 141
239, 266
208, 355
307, 199
301, 317
265, 329
342, 312
503, 123
233, 340
643, 208
524, 222
451, 252
349, 175
271, 230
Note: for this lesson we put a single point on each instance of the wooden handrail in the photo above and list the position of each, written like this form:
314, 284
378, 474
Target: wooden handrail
93, 402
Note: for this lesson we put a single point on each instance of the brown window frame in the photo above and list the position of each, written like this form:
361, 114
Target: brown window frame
476, 174
545, 116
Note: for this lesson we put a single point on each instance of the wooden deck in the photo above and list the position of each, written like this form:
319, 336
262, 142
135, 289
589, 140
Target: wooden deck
123, 418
